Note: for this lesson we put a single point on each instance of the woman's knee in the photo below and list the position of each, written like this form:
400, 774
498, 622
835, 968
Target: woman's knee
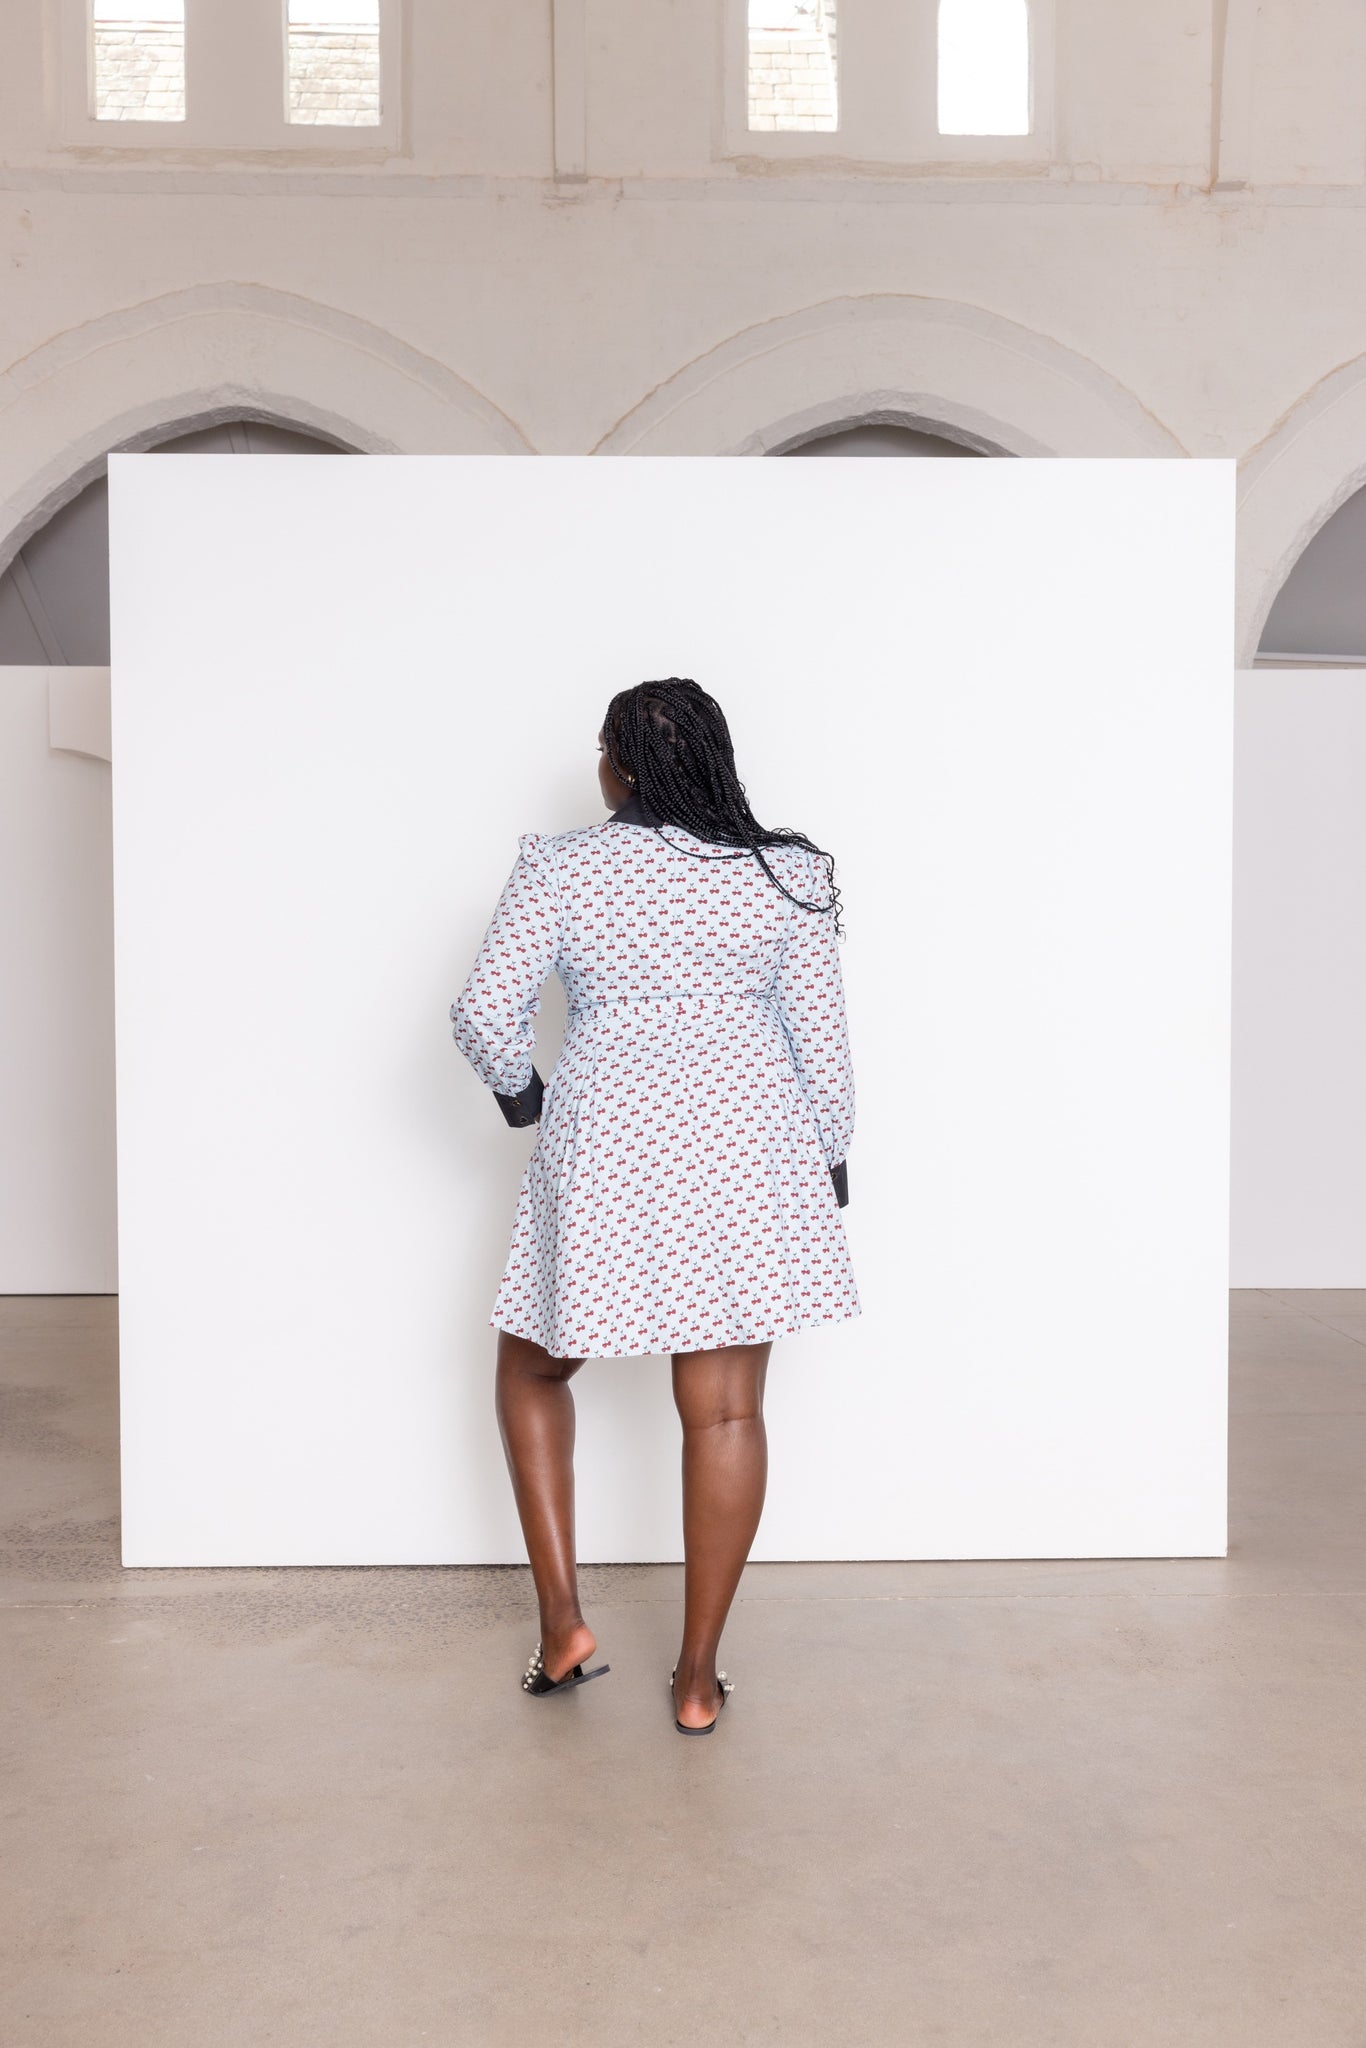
712, 1388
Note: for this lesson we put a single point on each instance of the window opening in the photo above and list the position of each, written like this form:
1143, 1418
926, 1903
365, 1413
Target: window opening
139, 60
984, 67
792, 66
333, 68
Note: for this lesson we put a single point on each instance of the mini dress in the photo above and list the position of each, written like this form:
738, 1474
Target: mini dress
686, 1186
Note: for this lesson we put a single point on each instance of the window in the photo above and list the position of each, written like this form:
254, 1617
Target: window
138, 53
984, 67
792, 69
309, 77
334, 76
919, 84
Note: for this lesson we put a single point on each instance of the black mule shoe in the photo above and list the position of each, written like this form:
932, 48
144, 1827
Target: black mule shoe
727, 1688
534, 1678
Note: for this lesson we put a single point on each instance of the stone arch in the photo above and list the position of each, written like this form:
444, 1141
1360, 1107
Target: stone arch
139, 375
933, 364
1290, 485
882, 438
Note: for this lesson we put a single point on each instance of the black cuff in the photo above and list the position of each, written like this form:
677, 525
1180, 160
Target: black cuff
840, 1176
524, 1108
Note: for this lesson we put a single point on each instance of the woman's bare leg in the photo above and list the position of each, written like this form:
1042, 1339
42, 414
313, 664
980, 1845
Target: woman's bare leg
535, 1408
720, 1400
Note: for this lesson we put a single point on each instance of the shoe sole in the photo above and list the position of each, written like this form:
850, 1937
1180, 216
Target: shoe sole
565, 1684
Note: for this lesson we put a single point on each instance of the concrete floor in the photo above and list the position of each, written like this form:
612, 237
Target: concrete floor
1107, 1804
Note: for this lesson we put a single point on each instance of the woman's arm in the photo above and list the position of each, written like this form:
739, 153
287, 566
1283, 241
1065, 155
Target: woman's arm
810, 998
493, 1019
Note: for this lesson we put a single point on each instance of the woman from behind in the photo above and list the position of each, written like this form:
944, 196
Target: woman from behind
683, 1195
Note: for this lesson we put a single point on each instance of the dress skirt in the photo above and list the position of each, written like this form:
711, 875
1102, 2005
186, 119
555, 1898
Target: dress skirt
677, 1198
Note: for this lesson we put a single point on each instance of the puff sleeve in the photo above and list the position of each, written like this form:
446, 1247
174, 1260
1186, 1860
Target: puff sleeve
493, 1019
809, 994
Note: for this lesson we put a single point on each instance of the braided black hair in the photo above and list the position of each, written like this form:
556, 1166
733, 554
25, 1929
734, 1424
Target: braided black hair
670, 740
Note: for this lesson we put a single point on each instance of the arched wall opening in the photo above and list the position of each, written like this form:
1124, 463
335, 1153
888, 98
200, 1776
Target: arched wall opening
881, 438
54, 596
1318, 616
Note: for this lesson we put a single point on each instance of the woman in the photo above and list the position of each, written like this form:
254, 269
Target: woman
684, 1192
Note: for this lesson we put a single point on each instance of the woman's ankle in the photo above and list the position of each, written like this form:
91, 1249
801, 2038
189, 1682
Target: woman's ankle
696, 1676
567, 1642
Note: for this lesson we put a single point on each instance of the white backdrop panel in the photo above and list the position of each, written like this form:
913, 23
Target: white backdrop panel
1000, 692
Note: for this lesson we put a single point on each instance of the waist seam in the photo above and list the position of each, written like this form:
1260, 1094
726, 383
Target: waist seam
723, 995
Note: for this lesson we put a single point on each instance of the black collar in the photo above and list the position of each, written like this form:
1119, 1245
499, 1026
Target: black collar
633, 812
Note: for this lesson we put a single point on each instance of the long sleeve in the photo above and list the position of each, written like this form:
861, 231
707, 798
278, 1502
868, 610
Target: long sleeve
493, 1019
809, 991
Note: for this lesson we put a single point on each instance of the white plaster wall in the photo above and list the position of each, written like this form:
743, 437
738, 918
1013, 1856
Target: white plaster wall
1306, 70
1135, 86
